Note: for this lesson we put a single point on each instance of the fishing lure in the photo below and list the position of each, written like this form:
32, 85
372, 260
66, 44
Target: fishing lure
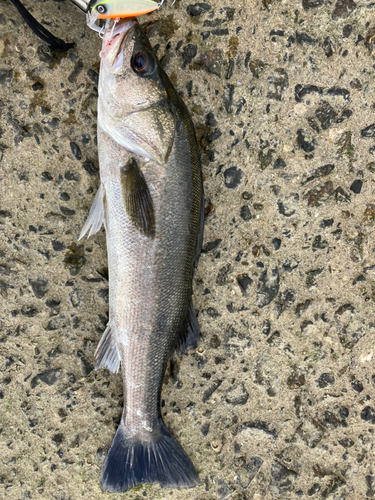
115, 9
122, 8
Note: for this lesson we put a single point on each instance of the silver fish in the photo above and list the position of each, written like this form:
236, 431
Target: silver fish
150, 200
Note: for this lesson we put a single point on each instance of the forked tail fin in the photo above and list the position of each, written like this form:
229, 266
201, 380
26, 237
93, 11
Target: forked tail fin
159, 460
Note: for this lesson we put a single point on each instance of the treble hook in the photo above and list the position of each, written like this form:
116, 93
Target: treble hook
115, 21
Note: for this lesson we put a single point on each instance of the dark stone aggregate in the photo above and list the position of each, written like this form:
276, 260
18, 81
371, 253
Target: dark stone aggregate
356, 186
233, 177
39, 286
198, 9
75, 150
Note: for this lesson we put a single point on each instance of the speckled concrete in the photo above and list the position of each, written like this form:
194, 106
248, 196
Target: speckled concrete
277, 402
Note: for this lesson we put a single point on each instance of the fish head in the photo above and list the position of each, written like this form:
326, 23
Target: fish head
134, 103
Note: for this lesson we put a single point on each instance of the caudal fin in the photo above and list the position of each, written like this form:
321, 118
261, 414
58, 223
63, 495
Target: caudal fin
132, 462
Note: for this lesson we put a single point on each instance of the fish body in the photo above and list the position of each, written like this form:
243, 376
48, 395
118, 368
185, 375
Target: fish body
150, 200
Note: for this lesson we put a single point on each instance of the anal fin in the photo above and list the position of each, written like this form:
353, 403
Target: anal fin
190, 336
106, 353
96, 215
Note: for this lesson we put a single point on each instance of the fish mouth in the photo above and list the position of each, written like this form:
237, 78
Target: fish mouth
114, 41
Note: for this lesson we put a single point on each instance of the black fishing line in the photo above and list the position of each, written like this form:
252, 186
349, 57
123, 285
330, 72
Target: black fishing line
54, 42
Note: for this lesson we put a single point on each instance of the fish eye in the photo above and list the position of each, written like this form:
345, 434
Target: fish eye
102, 9
143, 64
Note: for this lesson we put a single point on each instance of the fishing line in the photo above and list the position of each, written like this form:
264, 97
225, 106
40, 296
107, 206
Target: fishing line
54, 42
115, 21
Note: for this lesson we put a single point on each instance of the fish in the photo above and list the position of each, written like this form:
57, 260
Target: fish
150, 201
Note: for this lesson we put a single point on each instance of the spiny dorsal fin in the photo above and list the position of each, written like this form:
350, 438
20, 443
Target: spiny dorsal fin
137, 198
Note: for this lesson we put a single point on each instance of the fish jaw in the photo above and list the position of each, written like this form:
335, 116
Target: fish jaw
133, 109
112, 40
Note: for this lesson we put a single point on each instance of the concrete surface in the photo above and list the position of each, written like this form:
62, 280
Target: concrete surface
277, 402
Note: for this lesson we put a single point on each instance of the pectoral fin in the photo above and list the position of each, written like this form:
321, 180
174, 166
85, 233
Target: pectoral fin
137, 198
96, 216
